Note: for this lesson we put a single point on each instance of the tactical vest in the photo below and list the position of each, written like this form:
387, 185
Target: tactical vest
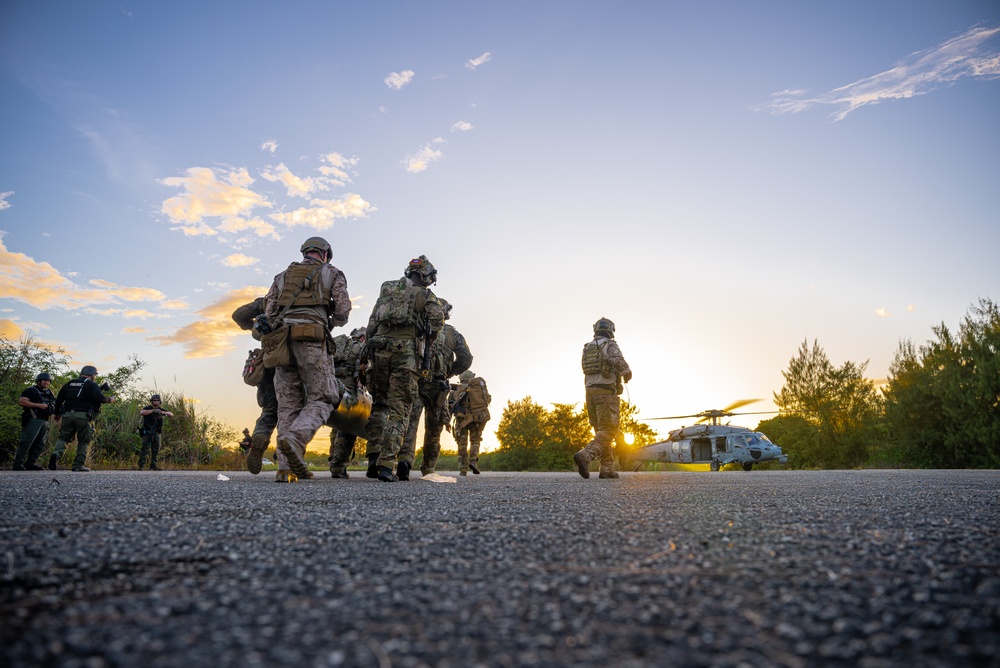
397, 304
442, 351
345, 356
304, 280
74, 399
593, 361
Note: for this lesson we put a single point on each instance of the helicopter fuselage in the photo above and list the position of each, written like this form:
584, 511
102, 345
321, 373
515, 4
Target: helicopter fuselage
712, 444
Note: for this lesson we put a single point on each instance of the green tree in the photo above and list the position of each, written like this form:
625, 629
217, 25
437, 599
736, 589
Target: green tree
20, 364
943, 398
840, 403
566, 431
521, 433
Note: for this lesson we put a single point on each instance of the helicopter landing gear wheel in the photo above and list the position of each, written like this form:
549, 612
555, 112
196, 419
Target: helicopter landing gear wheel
714, 465
747, 466
637, 466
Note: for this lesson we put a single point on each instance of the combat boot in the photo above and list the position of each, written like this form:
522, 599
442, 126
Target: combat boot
285, 476
154, 467
475, 469
463, 472
17, 467
580, 459
81, 469
608, 474
258, 444
33, 467
385, 474
52, 462
403, 471
295, 461
339, 473
372, 466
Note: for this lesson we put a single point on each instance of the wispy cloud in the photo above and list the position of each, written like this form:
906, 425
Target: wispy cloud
975, 53
419, 161
296, 186
4, 204
270, 146
322, 213
41, 285
214, 334
476, 62
397, 80
882, 312
133, 330
461, 126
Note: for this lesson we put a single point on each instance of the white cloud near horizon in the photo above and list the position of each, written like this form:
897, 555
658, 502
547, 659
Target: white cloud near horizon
397, 80
975, 53
476, 62
214, 333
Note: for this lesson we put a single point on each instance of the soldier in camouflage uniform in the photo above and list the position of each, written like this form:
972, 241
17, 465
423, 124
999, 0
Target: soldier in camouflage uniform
406, 318
469, 401
346, 362
267, 400
309, 297
450, 356
604, 369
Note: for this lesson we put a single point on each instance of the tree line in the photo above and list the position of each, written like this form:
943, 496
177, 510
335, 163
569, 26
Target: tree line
190, 439
940, 408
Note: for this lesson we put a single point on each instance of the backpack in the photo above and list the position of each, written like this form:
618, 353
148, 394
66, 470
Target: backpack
478, 399
253, 368
396, 306
593, 359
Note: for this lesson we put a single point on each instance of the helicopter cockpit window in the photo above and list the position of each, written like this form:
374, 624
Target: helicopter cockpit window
762, 437
752, 439
737, 441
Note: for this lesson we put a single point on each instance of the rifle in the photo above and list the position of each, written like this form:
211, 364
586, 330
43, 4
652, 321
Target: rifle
428, 340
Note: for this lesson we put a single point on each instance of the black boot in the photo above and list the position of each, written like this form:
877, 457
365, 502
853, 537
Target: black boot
372, 466
385, 474
403, 471
52, 462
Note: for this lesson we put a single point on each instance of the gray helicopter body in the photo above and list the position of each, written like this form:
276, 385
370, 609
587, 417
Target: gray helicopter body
712, 444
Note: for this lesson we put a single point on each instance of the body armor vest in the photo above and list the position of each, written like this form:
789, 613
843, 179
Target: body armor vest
593, 359
304, 276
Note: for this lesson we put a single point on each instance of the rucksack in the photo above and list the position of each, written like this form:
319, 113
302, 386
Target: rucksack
593, 359
478, 398
397, 303
253, 368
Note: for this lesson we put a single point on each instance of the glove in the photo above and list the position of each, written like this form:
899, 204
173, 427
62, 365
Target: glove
628, 376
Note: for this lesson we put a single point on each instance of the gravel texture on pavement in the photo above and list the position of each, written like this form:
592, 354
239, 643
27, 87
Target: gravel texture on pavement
788, 568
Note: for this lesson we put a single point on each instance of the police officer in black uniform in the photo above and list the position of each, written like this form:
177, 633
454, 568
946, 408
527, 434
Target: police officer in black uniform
152, 431
77, 403
38, 403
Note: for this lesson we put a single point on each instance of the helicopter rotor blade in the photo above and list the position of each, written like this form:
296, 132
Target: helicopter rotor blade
739, 404
671, 417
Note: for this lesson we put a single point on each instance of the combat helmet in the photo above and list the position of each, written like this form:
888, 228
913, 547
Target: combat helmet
466, 376
446, 307
88, 370
42, 376
359, 333
604, 326
423, 268
155, 397
317, 244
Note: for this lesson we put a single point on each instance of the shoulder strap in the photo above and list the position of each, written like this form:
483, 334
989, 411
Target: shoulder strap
281, 316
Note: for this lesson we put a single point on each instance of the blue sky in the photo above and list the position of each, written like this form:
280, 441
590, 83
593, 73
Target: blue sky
723, 180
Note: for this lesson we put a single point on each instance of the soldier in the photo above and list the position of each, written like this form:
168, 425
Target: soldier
246, 316
246, 442
38, 404
604, 369
77, 403
308, 298
152, 431
470, 402
346, 363
450, 356
404, 322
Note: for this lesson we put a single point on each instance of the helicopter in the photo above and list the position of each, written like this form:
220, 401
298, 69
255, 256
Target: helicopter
712, 443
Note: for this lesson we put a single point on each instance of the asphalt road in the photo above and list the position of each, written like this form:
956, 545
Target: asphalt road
852, 568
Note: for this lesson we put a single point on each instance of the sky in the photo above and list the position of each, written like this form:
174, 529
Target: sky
723, 180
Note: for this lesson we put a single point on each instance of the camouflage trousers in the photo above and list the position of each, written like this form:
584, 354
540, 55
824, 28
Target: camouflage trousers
307, 393
341, 447
267, 400
603, 408
432, 402
393, 384
468, 436
74, 423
